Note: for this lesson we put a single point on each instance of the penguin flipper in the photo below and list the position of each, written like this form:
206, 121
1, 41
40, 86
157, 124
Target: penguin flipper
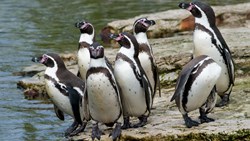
75, 98
62, 88
184, 75
230, 65
79, 74
85, 106
157, 80
226, 55
180, 84
59, 113
148, 91
108, 63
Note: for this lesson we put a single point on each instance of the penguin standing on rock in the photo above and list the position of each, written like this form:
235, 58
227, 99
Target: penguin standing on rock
146, 56
87, 37
195, 88
103, 93
209, 41
67, 92
136, 91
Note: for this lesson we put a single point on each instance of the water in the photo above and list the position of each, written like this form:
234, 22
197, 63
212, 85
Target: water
32, 27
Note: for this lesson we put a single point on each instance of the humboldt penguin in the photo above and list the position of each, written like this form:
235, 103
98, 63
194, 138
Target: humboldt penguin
67, 92
87, 38
103, 93
136, 91
209, 41
195, 88
146, 56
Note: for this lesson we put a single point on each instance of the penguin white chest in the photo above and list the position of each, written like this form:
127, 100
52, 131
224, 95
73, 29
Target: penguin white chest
133, 95
83, 57
147, 66
202, 86
103, 101
204, 46
60, 100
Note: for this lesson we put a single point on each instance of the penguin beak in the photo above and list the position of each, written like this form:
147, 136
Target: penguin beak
113, 36
81, 24
41, 59
152, 22
187, 6
148, 23
116, 37
44, 59
35, 59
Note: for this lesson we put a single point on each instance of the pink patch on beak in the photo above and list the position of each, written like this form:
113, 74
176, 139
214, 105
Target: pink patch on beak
145, 24
119, 37
190, 7
84, 26
44, 59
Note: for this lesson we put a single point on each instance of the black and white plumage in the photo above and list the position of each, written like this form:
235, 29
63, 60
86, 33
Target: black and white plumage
195, 88
103, 93
136, 91
87, 38
67, 92
209, 41
146, 56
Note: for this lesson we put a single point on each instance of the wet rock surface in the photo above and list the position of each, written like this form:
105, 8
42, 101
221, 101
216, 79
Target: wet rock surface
165, 123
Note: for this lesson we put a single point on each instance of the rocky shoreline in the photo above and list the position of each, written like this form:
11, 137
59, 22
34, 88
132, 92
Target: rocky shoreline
172, 46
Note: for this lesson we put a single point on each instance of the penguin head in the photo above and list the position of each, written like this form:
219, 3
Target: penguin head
127, 42
96, 50
142, 25
50, 60
85, 27
201, 11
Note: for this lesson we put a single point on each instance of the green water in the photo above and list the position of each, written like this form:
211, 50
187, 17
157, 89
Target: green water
32, 27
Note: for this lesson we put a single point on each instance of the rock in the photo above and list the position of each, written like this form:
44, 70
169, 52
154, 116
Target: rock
172, 21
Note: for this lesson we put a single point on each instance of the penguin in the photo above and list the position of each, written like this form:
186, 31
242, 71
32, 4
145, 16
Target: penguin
67, 92
195, 88
103, 93
87, 38
136, 91
146, 56
209, 41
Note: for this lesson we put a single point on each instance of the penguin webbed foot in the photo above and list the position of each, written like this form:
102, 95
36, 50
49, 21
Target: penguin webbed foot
71, 129
143, 121
126, 123
203, 116
205, 119
116, 133
96, 132
224, 101
189, 122
79, 130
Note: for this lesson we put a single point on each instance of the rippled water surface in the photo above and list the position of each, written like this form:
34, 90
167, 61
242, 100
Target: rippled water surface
31, 27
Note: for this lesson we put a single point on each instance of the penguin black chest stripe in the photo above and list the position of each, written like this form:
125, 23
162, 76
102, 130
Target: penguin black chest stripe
194, 74
144, 48
105, 71
125, 58
83, 45
213, 40
57, 85
203, 28
221, 49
